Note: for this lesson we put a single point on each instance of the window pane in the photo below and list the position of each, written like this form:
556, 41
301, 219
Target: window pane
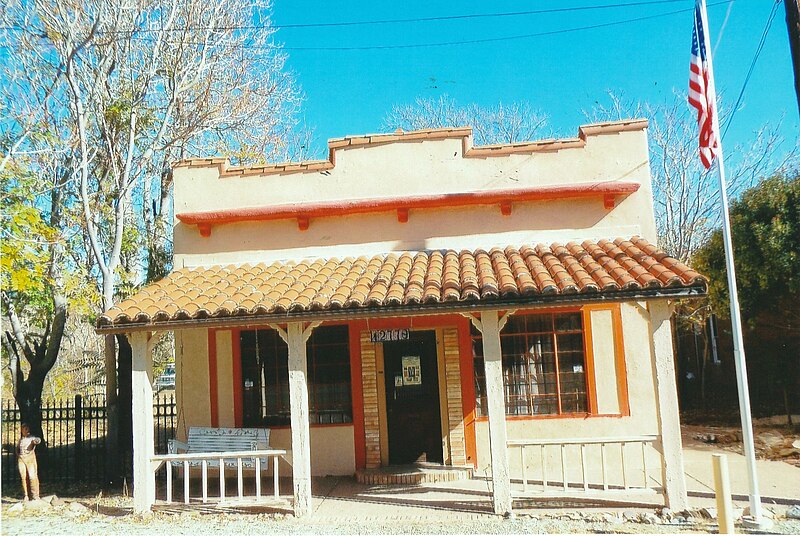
568, 322
514, 324
329, 375
540, 323
480, 377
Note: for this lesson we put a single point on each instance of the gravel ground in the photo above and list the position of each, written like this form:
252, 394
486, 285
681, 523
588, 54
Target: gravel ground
77, 520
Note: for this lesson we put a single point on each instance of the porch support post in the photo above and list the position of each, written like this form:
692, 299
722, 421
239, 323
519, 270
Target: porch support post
144, 481
490, 326
667, 406
296, 336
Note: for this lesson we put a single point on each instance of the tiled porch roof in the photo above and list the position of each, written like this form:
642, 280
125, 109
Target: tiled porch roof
440, 280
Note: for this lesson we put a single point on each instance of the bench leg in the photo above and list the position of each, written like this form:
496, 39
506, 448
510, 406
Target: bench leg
205, 481
258, 478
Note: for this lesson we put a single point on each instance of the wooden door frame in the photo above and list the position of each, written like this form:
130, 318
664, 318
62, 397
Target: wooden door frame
383, 421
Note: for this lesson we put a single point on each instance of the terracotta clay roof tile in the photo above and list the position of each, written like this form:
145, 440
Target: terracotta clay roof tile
404, 279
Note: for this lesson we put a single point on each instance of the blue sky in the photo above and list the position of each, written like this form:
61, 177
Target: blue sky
561, 74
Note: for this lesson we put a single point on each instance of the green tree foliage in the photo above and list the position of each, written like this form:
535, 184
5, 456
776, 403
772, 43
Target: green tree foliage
765, 226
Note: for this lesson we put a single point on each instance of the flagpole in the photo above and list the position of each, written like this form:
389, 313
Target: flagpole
736, 321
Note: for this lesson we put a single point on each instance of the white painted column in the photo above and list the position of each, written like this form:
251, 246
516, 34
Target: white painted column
144, 481
493, 367
667, 405
296, 337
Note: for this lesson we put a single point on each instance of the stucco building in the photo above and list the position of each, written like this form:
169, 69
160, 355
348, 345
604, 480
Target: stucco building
417, 299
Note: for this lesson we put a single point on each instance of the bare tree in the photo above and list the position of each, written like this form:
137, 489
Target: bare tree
34, 299
135, 85
503, 123
685, 194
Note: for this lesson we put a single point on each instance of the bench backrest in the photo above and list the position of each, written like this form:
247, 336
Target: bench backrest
202, 439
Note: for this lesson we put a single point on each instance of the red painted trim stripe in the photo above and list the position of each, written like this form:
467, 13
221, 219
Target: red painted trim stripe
305, 211
357, 394
236, 351
212, 377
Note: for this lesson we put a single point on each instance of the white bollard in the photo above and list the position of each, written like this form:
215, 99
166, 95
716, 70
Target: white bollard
722, 487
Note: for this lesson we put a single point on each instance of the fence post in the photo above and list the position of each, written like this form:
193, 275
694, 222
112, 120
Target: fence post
78, 437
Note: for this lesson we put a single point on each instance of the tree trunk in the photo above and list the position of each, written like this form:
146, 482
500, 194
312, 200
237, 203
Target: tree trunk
29, 402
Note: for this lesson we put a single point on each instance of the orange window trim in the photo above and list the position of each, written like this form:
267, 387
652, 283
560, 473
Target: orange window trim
213, 393
591, 386
588, 345
619, 354
556, 416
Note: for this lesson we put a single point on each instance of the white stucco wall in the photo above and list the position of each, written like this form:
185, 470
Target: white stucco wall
191, 380
415, 168
643, 418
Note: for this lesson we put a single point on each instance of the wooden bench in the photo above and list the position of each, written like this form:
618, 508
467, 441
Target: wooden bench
217, 441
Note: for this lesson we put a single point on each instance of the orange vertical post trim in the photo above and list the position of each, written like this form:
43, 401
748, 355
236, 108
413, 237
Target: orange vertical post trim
467, 389
236, 351
212, 377
619, 354
357, 393
588, 345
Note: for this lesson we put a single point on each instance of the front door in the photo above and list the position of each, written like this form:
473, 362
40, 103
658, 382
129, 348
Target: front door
412, 399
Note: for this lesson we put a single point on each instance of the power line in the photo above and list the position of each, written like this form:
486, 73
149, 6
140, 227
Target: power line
752, 65
467, 41
382, 21
480, 41
477, 16
506, 38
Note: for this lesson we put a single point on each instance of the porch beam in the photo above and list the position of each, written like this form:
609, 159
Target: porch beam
296, 335
672, 473
490, 326
144, 481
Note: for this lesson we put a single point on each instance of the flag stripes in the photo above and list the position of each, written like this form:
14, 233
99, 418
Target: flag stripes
701, 91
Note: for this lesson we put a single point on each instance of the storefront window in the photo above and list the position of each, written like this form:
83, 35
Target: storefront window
265, 377
544, 365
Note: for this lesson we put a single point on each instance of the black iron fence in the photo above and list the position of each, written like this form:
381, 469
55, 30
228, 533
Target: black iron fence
75, 432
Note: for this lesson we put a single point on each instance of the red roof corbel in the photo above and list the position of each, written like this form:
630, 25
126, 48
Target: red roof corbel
609, 192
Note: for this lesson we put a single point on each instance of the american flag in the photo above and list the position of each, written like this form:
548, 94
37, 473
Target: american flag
701, 90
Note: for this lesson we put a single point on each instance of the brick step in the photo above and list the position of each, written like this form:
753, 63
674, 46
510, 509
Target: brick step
413, 474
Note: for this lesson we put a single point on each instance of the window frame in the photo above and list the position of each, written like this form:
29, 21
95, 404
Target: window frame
589, 369
312, 367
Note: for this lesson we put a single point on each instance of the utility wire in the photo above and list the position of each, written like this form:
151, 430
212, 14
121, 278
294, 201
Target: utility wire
478, 41
477, 16
506, 38
385, 21
460, 42
752, 66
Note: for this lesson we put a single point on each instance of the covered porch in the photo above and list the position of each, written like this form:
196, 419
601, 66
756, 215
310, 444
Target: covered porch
482, 289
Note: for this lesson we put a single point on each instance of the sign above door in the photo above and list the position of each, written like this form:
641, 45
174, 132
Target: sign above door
389, 335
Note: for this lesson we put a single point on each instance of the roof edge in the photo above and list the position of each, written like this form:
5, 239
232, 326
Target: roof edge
400, 136
542, 301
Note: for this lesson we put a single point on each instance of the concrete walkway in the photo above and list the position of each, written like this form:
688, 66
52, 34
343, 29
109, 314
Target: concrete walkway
775, 478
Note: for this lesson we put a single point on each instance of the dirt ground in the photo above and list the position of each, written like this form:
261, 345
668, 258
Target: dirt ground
82, 510
772, 442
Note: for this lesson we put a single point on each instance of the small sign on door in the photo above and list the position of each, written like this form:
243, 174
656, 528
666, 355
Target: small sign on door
412, 371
